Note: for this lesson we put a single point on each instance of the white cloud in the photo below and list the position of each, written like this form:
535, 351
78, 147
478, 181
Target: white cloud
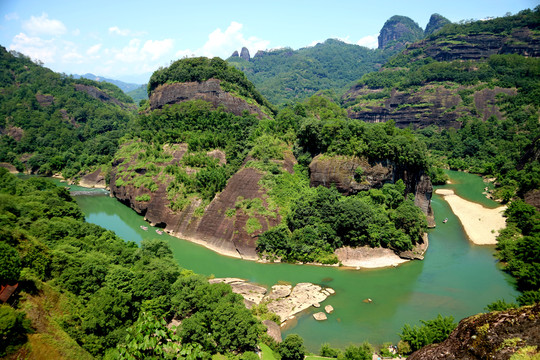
44, 26
157, 48
129, 53
76, 32
370, 41
34, 47
93, 50
73, 57
116, 30
224, 43
11, 16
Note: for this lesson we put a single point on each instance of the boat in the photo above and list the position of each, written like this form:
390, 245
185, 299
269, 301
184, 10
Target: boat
159, 232
445, 221
145, 228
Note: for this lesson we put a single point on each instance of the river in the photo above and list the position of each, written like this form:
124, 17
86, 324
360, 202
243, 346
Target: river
456, 277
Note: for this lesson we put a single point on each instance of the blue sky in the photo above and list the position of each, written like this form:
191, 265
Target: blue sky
128, 40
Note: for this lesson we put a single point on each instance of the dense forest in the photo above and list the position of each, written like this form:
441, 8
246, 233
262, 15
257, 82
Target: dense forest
85, 293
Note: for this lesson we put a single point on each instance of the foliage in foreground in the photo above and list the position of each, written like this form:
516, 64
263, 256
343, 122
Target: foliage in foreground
114, 288
431, 331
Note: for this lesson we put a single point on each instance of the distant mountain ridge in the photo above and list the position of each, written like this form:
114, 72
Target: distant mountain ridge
125, 87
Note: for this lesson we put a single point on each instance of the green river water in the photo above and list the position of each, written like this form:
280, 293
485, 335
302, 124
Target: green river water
456, 277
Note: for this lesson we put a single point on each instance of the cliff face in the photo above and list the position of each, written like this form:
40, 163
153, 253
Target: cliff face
436, 23
398, 31
210, 91
341, 171
496, 335
522, 41
427, 105
222, 226
101, 95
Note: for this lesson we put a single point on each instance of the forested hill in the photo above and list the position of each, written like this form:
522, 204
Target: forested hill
287, 75
53, 123
474, 89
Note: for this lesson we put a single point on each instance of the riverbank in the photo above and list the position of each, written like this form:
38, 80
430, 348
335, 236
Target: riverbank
363, 257
481, 224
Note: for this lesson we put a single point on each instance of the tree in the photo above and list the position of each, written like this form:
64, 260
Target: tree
11, 264
292, 348
362, 352
13, 329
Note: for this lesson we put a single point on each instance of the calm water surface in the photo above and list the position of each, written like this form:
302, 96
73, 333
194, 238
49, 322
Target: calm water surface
456, 278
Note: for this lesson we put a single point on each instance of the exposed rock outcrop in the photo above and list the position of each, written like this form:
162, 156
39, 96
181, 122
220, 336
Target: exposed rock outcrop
496, 335
222, 226
399, 31
101, 95
45, 100
209, 91
427, 105
273, 330
522, 41
436, 23
95, 179
341, 171
283, 300
244, 54
320, 316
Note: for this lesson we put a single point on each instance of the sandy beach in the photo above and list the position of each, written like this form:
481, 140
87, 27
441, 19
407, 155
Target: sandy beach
368, 258
481, 224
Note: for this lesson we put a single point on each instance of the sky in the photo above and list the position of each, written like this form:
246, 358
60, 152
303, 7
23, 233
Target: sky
128, 40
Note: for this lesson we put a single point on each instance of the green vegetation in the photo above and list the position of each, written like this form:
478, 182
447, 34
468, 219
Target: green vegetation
201, 69
287, 75
48, 126
431, 331
116, 294
518, 248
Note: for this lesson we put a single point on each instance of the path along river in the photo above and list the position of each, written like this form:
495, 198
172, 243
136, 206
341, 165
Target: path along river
456, 278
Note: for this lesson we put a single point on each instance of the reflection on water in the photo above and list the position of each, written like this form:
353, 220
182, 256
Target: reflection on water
456, 278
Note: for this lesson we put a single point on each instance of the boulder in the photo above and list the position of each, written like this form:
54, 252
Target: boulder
329, 309
320, 316
273, 330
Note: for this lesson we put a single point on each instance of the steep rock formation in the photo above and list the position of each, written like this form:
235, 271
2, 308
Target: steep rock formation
436, 23
398, 31
101, 95
427, 105
222, 226
95, 179
522, 41
341, 171
210, 91
496, 335
235, 54
244, 54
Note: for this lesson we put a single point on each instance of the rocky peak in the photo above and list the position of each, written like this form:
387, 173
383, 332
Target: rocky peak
398, 31
496, 335
235, 54
436, 22
244, 54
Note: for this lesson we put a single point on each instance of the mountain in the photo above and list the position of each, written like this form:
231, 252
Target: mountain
286, 75
126, 87
398, 31
52, 123
436, 22
138, 94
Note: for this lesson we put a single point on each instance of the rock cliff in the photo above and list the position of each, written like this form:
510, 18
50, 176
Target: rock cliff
341, 172
496, 335
432, 104
399, 31
101, 95
209, 91
436, 23
475, 46
222, 226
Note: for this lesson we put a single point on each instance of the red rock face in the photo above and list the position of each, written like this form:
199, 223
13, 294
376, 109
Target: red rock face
341, 172
100, 95
429, 105
222, 227
483, 336
209, 91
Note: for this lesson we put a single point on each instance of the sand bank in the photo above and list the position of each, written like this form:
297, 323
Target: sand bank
481, 224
